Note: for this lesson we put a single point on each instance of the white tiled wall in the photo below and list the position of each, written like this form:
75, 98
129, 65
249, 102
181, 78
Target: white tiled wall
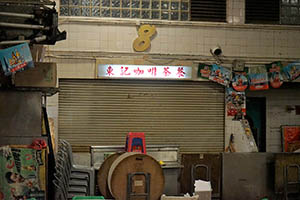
52, 111
242, 143
74, 67
184, 40
277, 115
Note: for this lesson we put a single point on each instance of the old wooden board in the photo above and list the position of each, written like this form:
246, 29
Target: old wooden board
213, 161
103, 174
248, 176
132, 162
282, 160
21, 114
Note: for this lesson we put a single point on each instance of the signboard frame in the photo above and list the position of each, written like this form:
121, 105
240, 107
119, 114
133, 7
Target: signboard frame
152, 72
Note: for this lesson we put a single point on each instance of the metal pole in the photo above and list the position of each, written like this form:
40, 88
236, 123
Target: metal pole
26, 26
29, 3
16, 15
14, 42
37, 39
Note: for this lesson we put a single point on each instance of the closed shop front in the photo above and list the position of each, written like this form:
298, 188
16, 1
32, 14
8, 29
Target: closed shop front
102, 112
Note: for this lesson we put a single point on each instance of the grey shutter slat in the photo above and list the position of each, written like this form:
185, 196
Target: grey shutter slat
102, 112
262, 11
204, 10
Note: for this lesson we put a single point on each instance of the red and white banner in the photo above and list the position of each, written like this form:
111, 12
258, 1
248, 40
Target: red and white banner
144, 71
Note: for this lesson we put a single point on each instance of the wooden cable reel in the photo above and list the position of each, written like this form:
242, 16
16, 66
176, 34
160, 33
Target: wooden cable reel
103, 173
130, 163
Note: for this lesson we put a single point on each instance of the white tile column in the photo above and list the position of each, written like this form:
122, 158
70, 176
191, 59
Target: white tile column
236, 11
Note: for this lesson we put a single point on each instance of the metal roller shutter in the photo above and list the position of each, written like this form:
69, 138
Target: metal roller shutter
262, 11
207, 10
102, 112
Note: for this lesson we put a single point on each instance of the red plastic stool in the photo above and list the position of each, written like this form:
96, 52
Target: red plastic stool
135, 142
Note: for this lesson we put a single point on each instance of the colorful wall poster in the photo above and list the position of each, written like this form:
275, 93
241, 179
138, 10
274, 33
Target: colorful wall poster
240, 81
23, 173
235, 103
16, 58
220, 75
258, 81
204, 70
292, 71
275, 76
291, 138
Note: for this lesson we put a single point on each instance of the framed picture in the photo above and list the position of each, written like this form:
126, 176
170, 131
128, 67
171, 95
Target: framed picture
290, 138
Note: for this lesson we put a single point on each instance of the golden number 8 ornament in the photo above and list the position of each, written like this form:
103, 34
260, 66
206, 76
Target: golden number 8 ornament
145, 32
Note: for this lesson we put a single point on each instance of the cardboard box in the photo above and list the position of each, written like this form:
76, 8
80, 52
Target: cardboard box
42, 75
16, 59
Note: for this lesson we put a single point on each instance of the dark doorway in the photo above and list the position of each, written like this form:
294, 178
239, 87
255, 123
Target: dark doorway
256, 115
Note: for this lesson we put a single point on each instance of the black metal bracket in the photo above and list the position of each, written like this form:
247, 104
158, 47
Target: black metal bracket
147, 185
193, 170
288, 183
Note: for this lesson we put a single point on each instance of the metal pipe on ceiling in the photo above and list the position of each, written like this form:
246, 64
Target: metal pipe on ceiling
25, 26
29, 3
14, 42
8, 14
37, 39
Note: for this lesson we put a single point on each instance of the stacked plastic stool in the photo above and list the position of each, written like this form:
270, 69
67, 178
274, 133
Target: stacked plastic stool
135, 142
70, 179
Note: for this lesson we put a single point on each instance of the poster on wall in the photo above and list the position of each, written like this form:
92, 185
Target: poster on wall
292, 71
235, 103
291, 138
275, 76
204, 70
258, 81
23, 173
220, 75
16, 58
240, 81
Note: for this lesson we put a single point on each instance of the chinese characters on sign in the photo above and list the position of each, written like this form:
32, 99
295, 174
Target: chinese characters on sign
144, 71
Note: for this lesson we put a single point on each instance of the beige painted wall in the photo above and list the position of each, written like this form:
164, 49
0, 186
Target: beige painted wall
110, 41
245, 41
